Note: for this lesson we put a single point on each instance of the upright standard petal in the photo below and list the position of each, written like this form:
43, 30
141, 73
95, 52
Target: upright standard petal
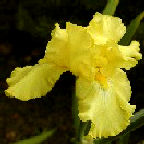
130, 54
107, 108
81, 48
33, 81
105, 28
57, 51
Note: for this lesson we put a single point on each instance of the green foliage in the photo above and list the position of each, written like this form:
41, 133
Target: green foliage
136, 122
131, 29
37, 139
110, 7
40, 27
123, 139
93, 4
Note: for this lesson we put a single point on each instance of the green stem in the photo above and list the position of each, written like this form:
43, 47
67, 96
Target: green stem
75, 115
82, 128
75, 112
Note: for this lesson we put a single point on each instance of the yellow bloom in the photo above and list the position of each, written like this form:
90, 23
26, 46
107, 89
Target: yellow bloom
104, 100
93, 55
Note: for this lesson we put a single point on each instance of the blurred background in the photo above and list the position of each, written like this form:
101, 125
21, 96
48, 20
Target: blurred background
25, 28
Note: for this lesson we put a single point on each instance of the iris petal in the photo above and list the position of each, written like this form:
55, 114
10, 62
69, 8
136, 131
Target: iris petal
108, 109
32, 81
81, 47
105, 28
57, 51
130, 54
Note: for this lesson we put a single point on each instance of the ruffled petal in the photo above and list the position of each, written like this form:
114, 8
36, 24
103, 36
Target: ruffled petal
81, 47
107, 108
130, 54
108, 57
32, 81
105, 28
57, 51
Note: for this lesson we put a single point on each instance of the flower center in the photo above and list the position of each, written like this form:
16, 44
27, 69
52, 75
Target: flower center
101, 79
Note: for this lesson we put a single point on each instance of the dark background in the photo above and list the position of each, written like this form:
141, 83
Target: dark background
25, 28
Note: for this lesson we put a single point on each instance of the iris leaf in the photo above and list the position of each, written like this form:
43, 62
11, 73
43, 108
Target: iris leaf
131, 29
37, 139
110, 7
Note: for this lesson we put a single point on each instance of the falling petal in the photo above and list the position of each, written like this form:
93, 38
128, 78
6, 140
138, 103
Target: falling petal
32, 81
107, 108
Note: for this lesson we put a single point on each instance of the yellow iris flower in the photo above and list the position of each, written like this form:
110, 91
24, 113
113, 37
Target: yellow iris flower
93, 55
